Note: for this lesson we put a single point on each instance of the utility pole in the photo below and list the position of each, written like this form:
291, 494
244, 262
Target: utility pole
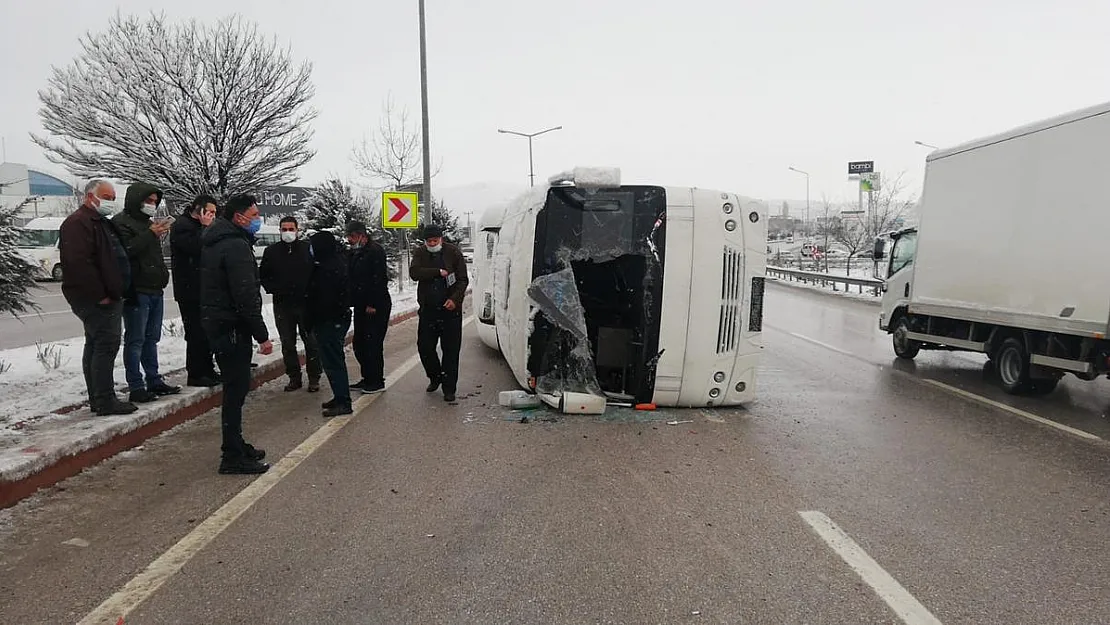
424, 111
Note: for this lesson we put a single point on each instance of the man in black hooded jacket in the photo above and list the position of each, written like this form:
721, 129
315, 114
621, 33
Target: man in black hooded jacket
185, 248
372, 306
231, 312
329, 315
144, 306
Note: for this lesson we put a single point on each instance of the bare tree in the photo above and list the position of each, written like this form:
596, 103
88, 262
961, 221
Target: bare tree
886, 209
191, 107
392, 156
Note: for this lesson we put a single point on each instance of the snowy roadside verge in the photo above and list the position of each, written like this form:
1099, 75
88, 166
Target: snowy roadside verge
827, 290
45, 451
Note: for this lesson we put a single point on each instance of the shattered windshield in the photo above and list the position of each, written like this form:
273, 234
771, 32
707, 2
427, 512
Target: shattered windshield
597, 285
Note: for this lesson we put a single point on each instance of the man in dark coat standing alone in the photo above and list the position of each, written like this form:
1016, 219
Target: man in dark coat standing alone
440, 269
372, 306
185, 250
231, 311
329, 313
285, 269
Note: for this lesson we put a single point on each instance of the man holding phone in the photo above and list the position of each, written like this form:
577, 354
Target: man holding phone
144, 304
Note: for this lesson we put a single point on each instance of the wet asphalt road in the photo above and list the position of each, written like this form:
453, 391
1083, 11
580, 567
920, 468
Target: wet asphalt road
420, 512
54, 321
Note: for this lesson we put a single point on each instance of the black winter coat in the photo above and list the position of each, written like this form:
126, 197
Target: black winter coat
229, 295
149, 273
185, 250
285, 270
369, 277
329, 298
432, 289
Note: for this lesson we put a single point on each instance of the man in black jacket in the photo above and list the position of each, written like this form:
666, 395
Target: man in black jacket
440, 270
285, 269
95, 276
231, 312
372, 306
329, 314
145, 305
185, 250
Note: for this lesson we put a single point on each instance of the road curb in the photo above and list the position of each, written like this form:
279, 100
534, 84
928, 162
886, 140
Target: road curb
46, 467
842, 296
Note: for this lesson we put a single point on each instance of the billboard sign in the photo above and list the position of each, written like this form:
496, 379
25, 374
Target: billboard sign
282, 200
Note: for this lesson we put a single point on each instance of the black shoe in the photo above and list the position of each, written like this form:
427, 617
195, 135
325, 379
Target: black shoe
328, 404
372, 389
448, 397
162, 389
142, 396
314, 386
202, 382
115, 407
357, 386
433, 386
252, 452
294, 384
254, 365
338, 410
242, 466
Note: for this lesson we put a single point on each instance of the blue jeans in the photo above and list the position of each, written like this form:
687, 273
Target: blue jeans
142, 329
330, 337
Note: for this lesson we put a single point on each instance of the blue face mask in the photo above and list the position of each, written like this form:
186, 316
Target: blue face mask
254, 225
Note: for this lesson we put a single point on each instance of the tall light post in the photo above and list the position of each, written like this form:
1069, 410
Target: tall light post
529, 136
925, 145
424, 116
796, 170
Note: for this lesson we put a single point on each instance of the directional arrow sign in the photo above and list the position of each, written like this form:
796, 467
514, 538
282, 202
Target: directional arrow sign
399, 210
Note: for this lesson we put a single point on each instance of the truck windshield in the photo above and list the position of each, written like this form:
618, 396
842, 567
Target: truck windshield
904, 250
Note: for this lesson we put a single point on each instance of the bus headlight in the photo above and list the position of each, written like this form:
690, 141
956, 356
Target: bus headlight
727, 208
741, 387
730, 225
715, 393
719, 377
753, 217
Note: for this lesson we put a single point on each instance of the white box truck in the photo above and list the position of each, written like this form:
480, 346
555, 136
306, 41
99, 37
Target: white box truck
1010, 254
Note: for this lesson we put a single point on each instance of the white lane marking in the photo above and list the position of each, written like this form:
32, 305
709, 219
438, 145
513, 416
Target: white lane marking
1015, 411
146, 583
958, 391
889, 590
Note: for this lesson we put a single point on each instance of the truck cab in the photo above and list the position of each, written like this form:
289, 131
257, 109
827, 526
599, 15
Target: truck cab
896, 271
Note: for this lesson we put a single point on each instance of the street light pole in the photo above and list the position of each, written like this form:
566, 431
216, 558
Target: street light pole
925, 145
529, 136
424, 115
793, 169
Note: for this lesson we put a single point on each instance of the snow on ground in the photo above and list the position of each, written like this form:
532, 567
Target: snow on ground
37, 380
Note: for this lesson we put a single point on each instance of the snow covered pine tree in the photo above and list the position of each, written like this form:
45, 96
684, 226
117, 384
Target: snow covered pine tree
17, 274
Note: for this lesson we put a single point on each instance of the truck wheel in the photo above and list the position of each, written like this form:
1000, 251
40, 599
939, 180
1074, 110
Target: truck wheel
56, 273
904, 347
1012, 363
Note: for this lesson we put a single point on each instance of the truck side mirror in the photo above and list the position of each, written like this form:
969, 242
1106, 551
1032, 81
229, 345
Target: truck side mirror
880, 249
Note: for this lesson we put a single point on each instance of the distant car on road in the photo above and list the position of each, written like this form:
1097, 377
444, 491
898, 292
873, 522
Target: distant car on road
38, 243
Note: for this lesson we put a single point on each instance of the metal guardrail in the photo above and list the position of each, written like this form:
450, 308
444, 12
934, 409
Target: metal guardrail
824, 279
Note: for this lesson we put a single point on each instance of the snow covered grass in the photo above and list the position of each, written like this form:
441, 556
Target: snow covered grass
37, 381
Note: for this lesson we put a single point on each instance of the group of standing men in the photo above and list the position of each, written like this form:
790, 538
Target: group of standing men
113, 270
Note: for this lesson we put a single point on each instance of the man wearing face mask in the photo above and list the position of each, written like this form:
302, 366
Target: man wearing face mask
95, 276
285, 269
231, 312
440, 270
185, 253
372, 305
144, 307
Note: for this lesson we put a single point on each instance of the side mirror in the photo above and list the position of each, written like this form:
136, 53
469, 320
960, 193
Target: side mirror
880, 249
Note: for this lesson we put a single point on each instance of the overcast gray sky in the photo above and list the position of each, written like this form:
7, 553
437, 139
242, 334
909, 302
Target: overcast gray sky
718, 94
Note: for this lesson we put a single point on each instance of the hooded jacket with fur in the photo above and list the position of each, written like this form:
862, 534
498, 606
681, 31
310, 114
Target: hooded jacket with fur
149, 273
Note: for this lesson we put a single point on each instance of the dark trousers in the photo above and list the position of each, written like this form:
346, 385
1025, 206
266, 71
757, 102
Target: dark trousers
369, 343
445, 329
103, 330
233, 352
198, 354
290, 320
331, 336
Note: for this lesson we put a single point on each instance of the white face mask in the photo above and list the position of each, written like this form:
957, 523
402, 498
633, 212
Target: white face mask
434, 249
288, 237
150, 209
106, 207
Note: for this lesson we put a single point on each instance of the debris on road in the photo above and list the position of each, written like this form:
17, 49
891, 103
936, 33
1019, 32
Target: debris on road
677, 422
